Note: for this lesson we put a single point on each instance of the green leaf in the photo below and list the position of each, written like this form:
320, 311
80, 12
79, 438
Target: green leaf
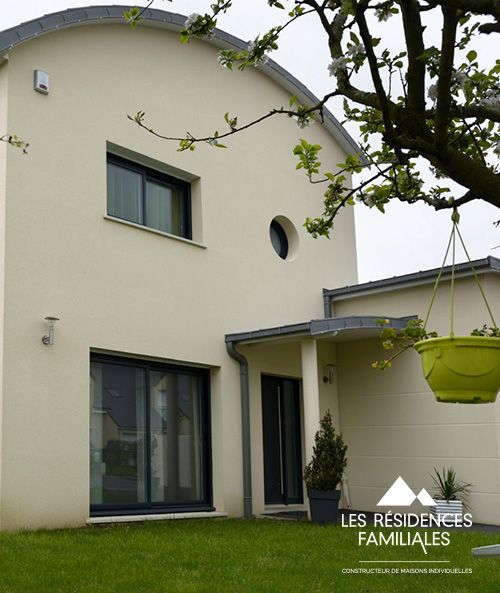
472, 55
354, 38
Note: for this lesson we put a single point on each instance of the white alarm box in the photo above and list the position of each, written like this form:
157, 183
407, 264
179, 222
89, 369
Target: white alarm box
41, 83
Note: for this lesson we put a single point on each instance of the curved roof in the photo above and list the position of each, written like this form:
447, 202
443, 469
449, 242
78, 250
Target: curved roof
74, 17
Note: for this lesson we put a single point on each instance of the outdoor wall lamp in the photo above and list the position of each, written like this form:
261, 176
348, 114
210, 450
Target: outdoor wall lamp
329, 373
48, 340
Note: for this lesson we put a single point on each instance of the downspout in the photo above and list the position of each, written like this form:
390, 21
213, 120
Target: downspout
327, 306
245, 428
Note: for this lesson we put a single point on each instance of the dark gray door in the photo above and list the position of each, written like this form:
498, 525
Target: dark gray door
282, 440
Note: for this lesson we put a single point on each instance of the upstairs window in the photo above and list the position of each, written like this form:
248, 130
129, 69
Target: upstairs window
148, 197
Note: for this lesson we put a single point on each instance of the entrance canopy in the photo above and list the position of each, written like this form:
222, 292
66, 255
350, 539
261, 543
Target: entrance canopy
332, 328
309, 337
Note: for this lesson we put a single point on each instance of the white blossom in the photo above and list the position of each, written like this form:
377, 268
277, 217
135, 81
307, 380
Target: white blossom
252, 46
491, 98
192, 18
460, 78
382, 15
432, 92
496, 148
222, 61
356, 50
303, 122
336, 64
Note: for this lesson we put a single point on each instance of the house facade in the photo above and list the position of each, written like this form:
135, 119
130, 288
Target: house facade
183, 375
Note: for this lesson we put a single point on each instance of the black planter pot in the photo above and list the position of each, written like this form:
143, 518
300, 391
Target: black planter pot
324, 505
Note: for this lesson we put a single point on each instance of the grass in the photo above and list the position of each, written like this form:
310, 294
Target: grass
229, 556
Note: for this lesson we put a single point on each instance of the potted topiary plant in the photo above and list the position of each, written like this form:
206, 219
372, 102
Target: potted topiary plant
451, 494
324, 472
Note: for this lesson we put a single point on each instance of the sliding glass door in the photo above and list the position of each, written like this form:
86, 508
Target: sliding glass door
176, 433
149, 437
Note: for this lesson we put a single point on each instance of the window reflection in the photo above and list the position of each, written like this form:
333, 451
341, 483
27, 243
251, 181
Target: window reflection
117, 431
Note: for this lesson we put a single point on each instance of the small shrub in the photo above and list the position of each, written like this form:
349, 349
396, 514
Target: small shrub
326, 467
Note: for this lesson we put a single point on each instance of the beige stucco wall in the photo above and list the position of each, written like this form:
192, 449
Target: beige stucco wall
3, 163
391, 422
121, 289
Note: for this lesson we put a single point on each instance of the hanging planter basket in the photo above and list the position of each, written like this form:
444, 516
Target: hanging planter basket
462, 369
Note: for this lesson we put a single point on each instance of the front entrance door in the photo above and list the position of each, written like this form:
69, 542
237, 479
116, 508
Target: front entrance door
282, 440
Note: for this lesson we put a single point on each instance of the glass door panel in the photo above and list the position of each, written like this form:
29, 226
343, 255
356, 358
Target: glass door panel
271, 430
282, 441
291, 445
176, 438
117, 433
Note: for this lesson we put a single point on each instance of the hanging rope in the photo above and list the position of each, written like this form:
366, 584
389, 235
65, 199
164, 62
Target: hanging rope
476, 278
439, 278
455, 217
452, 296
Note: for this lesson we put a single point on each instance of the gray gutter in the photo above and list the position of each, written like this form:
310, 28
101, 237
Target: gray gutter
317, 328
245, 428
486, 265
73, 17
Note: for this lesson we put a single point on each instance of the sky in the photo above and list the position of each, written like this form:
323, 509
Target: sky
403, 240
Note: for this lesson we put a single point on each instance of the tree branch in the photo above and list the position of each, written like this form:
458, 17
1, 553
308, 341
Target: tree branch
415, 46
476, 6
472, 111
15, 141
442, 204
450, 21
138, 119
377, 81
488, 28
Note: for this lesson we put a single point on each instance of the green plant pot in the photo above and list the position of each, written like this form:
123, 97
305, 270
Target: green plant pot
462, 369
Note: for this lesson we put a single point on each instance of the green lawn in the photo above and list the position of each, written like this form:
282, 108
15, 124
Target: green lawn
229, 556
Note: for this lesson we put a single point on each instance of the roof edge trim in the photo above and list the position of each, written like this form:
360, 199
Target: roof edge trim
319, 327
481, 266
71, 17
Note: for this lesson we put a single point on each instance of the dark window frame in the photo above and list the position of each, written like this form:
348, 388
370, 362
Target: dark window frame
149, 174
154, 507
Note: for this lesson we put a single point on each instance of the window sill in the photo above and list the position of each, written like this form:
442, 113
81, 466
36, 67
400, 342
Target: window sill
155, 231
154, 517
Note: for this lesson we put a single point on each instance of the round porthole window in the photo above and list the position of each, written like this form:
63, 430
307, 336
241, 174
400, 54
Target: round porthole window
279, 239
284, 237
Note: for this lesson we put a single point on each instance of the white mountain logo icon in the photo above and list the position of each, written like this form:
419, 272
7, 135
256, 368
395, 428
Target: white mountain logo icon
401, 495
